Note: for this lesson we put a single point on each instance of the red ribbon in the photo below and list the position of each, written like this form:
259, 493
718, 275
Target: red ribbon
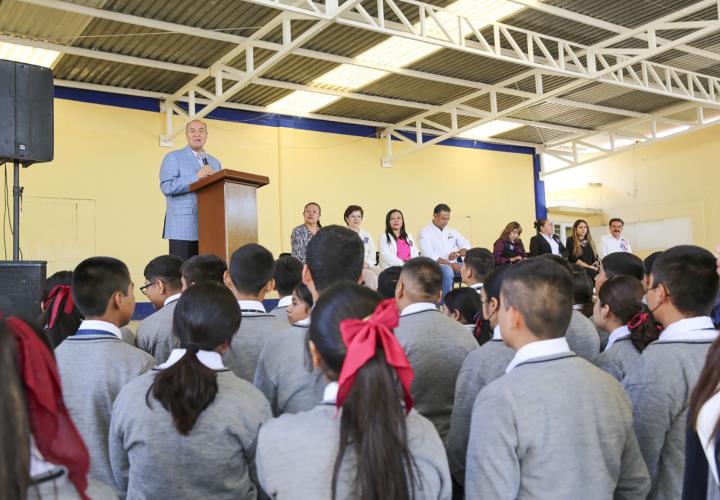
361, 338
55, 434
58, 293
637, 320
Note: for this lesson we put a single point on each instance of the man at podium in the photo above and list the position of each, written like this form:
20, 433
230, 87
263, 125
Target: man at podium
179, 169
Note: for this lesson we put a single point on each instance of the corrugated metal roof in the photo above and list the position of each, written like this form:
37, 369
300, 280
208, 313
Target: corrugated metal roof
534, 135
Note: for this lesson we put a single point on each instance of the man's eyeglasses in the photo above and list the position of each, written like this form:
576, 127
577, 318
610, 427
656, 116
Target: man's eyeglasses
144, 288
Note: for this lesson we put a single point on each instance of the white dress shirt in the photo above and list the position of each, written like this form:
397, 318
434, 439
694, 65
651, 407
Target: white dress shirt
284, 302
95, 324
251, 308
369, 247
538, 349
554, 247
497, 334
616, 335
698, 328
211, 359
439, 244
609, 244
172, 299
418, 307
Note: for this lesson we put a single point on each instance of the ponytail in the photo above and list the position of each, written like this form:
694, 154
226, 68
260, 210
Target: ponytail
623, 295
185, 389
643, 329
373, 422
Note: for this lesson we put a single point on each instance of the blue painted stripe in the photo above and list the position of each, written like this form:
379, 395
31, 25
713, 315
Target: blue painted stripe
269, 119
539, 185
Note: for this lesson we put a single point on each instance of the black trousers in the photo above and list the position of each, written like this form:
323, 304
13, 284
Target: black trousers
183, 248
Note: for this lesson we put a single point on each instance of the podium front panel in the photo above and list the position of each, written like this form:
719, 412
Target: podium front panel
241, 224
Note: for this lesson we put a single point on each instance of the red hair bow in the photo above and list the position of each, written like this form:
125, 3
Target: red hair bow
637, 320
55, 434
58, 293
361, 338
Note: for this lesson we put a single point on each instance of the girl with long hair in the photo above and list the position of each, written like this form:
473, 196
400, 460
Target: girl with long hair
619, 309
581, 248
363, 440
396, 244
188, 428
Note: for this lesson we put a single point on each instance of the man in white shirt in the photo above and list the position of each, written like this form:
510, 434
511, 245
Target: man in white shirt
614, 242
443, 245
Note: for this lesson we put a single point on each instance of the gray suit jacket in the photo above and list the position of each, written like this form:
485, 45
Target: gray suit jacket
178, 171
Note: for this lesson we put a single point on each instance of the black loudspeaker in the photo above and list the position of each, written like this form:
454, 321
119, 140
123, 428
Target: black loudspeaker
26, 113
21, 285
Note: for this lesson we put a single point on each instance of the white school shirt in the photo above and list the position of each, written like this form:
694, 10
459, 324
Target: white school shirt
538, 349
477, 287
706, 420
418, 307
617, 334
437, 244
369, 247
95, 324
211, 359
554, 247
388, 251
497, 334
284, 302
171, 299
698, 328
608, 245
251, 308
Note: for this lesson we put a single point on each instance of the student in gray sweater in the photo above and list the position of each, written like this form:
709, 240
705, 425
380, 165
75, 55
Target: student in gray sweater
284, 370
249, 278
163, 285
287, 275
360, 441
554, 426
682, 290
435, 344
620, 310
189, 428
95, 363
154, 333
482, 366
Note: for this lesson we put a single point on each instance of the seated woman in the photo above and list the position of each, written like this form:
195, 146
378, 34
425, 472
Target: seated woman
363, 440
545, 241
43, 455
304, 232
619, 309
581, 248
509, 249
463, 305
187, 429
396, 244
353, 218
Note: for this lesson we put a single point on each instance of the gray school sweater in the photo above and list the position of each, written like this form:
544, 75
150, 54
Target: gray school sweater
154, 333
151, 459
481, 367
283, 373
555, 427
582, 337
436, 347
93, 369
619, 358
248, 342
659, 384
296, 455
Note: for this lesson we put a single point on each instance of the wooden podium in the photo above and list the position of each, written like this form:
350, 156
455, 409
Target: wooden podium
227, 211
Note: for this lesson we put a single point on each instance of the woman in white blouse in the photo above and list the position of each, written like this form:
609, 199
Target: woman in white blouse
545, 241
353, 218
396, 244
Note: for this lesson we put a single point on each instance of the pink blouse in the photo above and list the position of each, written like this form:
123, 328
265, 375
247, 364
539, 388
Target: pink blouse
403, 250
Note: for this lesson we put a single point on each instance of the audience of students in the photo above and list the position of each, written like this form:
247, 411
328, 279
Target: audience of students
620, 311
363, 439
683, 287
444, 245
508, 248
287, 275
302, 234
545, 241
581, 248
396, 244
188, 428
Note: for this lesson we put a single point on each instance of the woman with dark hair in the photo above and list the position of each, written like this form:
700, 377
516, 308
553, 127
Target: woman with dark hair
353, 218
581, 248
188, 428
583, 288
619, 310
363, 440
508, 248
396, 244
304, 232
60, 317
42, 453
545, 241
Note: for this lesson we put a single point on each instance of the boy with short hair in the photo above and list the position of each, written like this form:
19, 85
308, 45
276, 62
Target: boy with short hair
249, 278
287, 275
683, 287
478, 263
554, 426
95, 363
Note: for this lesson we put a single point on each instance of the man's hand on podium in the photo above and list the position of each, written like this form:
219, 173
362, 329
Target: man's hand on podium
204, 172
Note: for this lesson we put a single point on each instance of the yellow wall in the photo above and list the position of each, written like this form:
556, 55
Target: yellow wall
678, 177
100, 195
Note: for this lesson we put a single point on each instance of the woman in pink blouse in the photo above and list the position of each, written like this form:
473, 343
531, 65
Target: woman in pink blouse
396, 244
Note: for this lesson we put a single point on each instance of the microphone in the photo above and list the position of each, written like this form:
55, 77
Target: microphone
203, 158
